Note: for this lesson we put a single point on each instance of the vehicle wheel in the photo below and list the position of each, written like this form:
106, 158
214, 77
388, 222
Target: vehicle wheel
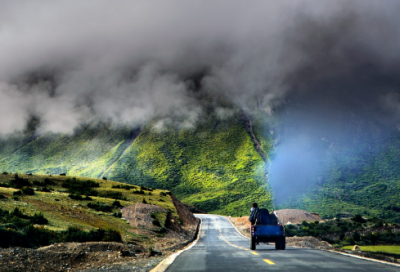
278, 244
252, 243
283, 243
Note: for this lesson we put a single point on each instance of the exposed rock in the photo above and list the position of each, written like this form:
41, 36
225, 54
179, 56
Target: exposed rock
356, 248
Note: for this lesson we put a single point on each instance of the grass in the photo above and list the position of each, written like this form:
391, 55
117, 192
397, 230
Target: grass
377, 249
63, 212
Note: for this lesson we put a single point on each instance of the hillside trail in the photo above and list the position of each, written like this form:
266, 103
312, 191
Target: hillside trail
134, 134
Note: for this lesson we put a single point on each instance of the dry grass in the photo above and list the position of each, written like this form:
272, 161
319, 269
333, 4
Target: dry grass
63, 212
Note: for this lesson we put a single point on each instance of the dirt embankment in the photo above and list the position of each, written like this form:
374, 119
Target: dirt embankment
71, 257
142, 254
185, 214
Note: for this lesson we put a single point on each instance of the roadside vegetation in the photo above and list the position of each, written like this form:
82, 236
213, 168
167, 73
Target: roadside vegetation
378, 249
71, 209
349, 231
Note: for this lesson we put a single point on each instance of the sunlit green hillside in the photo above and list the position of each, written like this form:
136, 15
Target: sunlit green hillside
214, 166
88, 208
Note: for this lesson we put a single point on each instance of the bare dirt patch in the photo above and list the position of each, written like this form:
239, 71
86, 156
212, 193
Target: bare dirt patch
308, 241
295, 216
138, 215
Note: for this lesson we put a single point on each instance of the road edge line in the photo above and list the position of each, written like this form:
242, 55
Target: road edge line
362, 258
234, 227
164, 264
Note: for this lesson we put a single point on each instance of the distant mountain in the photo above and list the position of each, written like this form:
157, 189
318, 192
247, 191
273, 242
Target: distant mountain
223, 165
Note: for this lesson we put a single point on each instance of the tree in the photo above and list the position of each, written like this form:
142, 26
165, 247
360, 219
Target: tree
356, 236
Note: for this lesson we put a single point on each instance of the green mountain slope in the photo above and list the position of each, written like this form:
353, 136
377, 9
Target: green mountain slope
359, 183
214, 167
217, 166
88, 152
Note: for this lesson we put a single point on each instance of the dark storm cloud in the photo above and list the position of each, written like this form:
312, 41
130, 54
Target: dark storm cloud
127, 61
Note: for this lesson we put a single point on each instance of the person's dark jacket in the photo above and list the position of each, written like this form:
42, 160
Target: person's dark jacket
253, 215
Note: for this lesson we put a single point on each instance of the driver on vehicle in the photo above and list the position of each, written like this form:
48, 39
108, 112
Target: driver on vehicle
253, 213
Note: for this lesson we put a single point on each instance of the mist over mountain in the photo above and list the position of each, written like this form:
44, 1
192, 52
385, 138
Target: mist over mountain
72, 62
322, 76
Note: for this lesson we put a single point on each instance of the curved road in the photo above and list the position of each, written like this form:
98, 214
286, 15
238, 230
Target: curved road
221, 248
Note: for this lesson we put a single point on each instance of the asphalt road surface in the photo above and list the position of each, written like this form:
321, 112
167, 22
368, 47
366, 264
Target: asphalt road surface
221, 248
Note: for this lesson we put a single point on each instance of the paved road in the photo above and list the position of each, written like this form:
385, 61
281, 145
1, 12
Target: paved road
221, 248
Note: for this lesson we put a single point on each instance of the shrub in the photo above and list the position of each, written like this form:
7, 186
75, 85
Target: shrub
75, 197
77, 187
73, 234
17, 213
156, 222
4, 185
163, 194
117, 214
358, 218
104, 178
38, 218
116, 186
17, 193
138, 192
2, 196
114, 195
144, 201
49, 181
117, 204
19, 183
112, 236
28, 191
99, 206
45, 189
16, 198
63, 174
127, 187
5, 173
161, 230
39, 183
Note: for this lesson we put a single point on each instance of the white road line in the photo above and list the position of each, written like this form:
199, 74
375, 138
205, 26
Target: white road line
164, 264
362, 258
236, 228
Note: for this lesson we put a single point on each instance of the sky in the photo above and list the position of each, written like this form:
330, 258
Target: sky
68, 62
127, 62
